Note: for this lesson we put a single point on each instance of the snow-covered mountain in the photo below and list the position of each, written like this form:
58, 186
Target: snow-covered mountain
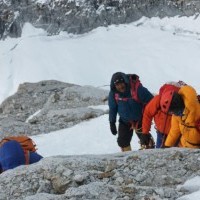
157, 50
81, 16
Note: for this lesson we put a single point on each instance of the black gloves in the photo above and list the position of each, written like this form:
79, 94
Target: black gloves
113, 128
144, 139
147, 141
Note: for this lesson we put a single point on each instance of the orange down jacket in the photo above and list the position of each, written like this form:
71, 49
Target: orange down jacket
161, 119
183, 128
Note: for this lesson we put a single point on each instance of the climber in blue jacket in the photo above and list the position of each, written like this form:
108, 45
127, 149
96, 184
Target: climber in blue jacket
12, 155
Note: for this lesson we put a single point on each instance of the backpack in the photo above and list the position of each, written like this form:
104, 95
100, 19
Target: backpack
26, 143
134, 84
171, 86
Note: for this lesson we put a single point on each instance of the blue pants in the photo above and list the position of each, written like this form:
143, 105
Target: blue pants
160, 139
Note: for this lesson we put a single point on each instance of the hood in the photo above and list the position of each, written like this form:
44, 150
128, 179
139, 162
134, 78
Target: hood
117, 75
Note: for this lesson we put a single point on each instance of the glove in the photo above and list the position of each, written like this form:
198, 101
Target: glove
113, 128
144, 139
147, 141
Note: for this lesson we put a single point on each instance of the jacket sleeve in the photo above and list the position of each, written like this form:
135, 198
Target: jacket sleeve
144, 95
174, 132
149, 112
112, 107
191, 103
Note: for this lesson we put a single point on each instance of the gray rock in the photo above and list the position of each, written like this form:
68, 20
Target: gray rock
47, 106
79, 178
86, 176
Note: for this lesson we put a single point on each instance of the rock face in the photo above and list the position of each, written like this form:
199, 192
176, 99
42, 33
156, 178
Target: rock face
48, 106
142, 175
80, 16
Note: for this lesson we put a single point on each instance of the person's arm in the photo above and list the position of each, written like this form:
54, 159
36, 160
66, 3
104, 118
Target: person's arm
149, 112
191, 103
174, 133
112, 113
112, 107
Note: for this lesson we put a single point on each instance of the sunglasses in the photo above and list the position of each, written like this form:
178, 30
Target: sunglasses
121, 80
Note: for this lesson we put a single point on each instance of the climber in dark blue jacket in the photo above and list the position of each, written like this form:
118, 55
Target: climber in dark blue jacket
12, 155
127, 98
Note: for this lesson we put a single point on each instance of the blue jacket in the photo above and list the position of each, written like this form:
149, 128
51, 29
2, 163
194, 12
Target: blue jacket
12, 155
129, 110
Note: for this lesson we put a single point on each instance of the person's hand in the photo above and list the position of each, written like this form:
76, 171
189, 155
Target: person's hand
144, 139
113, 128
147, 141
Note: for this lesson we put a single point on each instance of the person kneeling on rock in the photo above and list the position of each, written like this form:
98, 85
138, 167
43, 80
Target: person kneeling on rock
12, 154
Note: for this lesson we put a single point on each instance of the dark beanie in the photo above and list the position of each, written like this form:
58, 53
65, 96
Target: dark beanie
177, 104
118, 78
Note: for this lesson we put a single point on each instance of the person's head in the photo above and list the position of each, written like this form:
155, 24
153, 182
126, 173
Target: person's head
172, 102
119, 82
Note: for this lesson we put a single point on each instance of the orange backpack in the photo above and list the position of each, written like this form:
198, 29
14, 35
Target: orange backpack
26, 143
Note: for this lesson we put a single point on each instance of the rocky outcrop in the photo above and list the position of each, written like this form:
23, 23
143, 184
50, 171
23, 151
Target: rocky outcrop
141, 175
48, 106
75, 16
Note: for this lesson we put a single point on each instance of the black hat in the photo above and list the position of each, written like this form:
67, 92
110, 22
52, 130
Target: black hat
177, 104
118, 78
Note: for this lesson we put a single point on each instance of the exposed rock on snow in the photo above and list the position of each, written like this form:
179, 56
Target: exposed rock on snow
48, 106
149, 174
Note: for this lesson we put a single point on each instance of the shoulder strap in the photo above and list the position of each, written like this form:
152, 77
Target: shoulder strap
116, 97
135, 83
27, 156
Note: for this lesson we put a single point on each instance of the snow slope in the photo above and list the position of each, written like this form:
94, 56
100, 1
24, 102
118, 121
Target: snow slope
157, 50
